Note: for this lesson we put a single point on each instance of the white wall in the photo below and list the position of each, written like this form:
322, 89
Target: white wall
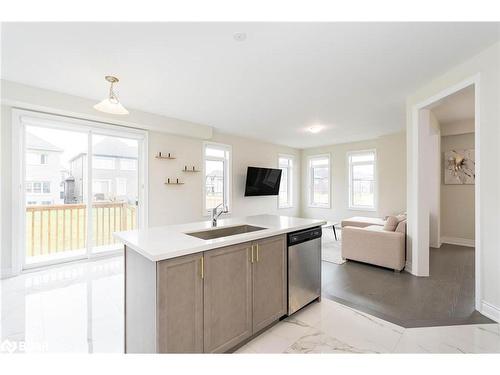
183, 203
391, 178
486, 64
22, 96
434, 180
457, 201
457, 127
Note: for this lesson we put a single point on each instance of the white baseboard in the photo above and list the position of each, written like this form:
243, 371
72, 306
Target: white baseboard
408, 267
6, 272
490, 311
458, 241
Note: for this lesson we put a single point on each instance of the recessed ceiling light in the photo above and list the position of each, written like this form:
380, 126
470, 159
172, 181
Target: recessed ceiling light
240, 37
315, 129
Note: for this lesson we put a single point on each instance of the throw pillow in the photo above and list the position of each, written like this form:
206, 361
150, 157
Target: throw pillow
391, 223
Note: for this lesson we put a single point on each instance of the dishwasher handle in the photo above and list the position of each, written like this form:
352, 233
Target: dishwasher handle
296, 238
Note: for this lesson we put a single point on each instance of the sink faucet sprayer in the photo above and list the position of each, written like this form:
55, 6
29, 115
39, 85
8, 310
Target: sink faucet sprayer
216, 215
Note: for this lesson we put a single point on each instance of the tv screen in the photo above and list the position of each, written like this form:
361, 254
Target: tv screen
262, 181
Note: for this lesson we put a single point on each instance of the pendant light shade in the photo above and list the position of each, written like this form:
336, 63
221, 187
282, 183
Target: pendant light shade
111, 104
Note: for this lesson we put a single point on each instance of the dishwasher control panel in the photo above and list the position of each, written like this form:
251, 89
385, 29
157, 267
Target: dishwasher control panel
305, 235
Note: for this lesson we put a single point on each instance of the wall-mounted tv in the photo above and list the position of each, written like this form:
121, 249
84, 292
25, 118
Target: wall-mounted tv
262, 181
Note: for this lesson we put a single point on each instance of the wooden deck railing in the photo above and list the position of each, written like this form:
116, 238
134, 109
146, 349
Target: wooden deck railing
56, 228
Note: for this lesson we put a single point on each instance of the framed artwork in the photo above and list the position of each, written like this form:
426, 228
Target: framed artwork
459, 167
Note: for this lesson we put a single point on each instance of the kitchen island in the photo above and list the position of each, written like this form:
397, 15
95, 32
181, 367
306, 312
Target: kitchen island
191, 288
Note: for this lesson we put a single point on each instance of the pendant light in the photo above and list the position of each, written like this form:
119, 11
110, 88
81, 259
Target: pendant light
111, 104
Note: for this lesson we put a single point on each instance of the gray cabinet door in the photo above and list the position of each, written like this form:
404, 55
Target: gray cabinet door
269, 281
227, 297
180, 305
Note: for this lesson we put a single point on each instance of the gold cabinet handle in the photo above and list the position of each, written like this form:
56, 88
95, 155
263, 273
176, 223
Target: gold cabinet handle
252, 253
257, 249
202, 268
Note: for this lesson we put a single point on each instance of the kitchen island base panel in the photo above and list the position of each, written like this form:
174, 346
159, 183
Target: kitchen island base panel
140, 303
191, 296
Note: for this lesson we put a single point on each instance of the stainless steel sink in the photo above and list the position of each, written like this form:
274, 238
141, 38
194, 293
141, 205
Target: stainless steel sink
211, 234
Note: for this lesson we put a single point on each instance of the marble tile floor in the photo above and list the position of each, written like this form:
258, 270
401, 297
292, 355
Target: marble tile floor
78, 307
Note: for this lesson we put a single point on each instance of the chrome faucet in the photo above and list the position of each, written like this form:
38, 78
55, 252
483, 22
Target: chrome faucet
216, 215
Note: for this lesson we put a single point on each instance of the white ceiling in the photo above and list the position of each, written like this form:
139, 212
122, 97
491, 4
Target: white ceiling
352, 78
456, 107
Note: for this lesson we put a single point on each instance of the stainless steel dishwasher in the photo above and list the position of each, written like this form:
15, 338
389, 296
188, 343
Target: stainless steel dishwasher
304, 268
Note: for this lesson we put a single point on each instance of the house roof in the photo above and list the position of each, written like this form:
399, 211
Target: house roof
112, 147
36, 143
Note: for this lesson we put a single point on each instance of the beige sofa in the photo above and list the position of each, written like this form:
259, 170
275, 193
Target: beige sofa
366, 240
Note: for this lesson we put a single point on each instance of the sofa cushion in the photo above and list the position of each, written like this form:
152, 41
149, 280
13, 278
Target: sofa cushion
401, 228
391, 223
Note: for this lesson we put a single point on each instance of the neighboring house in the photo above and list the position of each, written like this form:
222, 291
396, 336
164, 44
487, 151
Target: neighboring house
114, 174
214, 182
43, 172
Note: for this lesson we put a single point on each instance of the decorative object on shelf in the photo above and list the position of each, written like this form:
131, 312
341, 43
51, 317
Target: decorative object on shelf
111, 104
173, 181
190, 169
161, 155
459, 168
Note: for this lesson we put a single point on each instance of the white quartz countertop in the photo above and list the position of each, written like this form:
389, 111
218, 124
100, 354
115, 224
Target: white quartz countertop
166, 242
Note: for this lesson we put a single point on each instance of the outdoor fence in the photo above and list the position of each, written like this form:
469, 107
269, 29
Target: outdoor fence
57, 228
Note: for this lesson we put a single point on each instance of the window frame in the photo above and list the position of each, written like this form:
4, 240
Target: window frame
109, 181
43, 184
119, 180
290, 174
351, 206
310, 183
227, 174
122, 164
103, 158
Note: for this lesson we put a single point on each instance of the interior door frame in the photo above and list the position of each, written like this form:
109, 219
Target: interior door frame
417, 201
22, 118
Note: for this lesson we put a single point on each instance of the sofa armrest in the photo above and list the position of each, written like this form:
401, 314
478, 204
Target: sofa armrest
380, 247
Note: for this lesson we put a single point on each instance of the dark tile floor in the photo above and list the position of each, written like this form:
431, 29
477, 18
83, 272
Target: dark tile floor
446, 297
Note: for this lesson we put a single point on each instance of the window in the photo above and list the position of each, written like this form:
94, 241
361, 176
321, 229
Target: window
285, 163
101, 189
128, 164
38, 187
35, 158
121, 186
217, 177
362, 181
100, 162
319, 181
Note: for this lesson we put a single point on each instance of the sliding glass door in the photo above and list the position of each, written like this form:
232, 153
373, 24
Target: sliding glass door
72, 203
115, 188
55, 202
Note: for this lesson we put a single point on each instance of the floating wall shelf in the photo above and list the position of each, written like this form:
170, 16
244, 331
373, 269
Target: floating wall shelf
191, 170
168, 155
174, 183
